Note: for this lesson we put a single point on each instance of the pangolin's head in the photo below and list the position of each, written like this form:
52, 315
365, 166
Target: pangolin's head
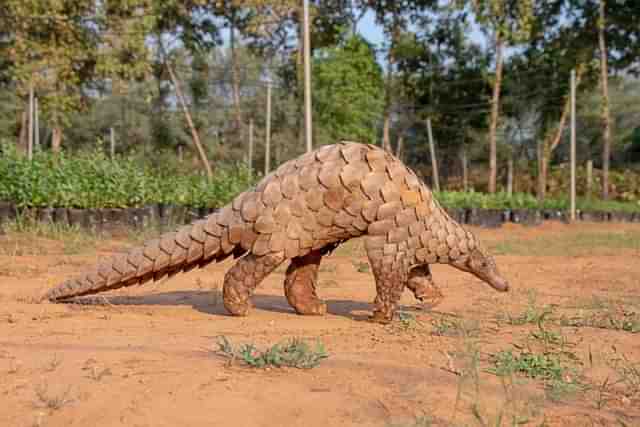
483, 266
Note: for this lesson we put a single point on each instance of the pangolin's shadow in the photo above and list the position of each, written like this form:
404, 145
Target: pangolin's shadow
210, 302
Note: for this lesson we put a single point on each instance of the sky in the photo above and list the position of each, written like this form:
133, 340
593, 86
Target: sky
370, 30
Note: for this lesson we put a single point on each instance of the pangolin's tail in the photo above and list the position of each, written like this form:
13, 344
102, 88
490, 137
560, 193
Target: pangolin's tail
195, 245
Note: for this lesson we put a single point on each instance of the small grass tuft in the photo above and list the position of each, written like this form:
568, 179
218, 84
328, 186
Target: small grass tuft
533, 314
53, 364
612, 319
294, 353
24, 228
51, 401
362, 267
454, 327
559, 379
405, 322
628, 373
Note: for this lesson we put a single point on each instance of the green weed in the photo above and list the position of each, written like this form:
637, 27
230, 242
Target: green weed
362, 267
405, 322
294, 353
559, 379
616, 320
533, 314
453, 327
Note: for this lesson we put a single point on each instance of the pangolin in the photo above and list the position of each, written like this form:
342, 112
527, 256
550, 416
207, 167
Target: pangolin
301, 212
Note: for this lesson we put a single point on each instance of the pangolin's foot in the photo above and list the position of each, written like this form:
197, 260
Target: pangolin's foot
424, 289
311, 308
237, 308
429, 297
381, 317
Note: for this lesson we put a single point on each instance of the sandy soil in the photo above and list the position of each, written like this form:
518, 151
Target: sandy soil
146, 356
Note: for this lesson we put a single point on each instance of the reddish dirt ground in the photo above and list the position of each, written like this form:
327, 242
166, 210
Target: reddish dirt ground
145, 357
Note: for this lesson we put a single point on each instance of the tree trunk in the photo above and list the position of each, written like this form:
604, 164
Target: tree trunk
386, 130
551, 142
235, 77
388, 98
510, 175
465, 168
589, 178
495, 109
606, 119
400, 146
542, 171
56, 139
434, 159
194, 131
24, 127
300, 77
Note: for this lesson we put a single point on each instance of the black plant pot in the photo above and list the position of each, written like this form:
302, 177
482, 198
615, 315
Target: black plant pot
457, 214
594, 216
78, 217
45, 215
203, 212
112, 219
94, 219
554, 215
528, 217
621, 217
488, 218
61, 216
142, 217
7, 212
172, 215
192, 214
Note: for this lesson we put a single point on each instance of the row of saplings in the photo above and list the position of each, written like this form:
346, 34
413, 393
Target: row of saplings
163, 214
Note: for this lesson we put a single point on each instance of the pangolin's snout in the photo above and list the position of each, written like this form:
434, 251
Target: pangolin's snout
499, 283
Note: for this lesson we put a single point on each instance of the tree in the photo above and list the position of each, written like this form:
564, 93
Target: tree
348, 88
604, 84
508, 22
441, 75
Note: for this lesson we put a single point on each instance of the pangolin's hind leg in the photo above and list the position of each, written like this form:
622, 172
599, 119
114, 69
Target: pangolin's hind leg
390, 282
421, 284
243, 278
300, 284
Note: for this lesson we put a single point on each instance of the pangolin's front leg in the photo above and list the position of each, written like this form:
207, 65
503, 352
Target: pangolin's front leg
242, 279
391, 279
300, 284
421, 284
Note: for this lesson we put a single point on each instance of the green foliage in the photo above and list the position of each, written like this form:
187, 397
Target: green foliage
348, 92
472, 199
294, 353
617, 320
91, 180
533, 314
532, 365
559, 379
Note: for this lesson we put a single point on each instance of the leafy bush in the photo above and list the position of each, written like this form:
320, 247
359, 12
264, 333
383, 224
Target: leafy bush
91, 180
473, 199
